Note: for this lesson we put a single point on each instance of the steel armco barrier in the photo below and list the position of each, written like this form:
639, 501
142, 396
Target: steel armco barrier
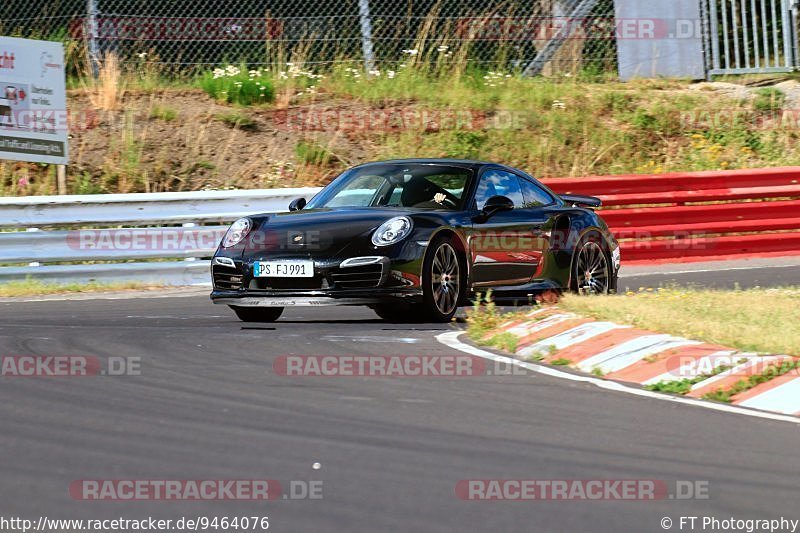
122, 237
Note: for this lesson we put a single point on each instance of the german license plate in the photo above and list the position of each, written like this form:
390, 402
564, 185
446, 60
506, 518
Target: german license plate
283, 269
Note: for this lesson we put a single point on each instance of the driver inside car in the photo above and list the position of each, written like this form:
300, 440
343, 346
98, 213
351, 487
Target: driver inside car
421, 193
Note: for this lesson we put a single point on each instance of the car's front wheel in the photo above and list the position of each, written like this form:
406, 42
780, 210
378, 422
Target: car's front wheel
442, 281
257, 314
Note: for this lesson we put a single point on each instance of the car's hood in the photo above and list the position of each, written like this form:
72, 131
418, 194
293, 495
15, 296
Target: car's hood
315, 232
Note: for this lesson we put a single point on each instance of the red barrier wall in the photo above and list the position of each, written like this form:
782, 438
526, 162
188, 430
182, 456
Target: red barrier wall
698, 215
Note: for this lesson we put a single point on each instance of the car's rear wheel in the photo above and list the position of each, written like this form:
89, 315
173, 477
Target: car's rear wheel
257, 314
442, 281
591, 270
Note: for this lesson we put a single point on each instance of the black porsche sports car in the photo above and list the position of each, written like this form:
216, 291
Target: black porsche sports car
416, 239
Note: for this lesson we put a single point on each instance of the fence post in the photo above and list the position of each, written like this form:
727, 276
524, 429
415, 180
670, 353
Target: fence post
708, 16
788, 32
795, 44
91, 36
61, 179
366, 35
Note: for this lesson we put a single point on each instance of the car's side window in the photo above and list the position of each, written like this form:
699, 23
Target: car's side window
499, 183
534, 195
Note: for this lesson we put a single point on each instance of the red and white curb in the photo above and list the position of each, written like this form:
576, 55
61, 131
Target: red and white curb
624, 354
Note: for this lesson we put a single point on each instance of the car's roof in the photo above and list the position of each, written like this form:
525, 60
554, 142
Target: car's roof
431, 161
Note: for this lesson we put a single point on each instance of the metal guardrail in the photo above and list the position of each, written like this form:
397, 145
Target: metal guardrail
132, 235
143, 208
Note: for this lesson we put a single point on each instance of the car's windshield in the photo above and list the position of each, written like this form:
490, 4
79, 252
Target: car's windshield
415, 185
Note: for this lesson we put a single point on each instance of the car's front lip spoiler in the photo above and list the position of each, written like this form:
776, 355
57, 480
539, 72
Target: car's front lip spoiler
311, 298
290, 301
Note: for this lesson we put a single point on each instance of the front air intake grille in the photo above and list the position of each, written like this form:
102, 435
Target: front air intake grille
226, 278
358, 277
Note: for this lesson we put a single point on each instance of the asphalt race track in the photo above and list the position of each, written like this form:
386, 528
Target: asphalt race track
207, 405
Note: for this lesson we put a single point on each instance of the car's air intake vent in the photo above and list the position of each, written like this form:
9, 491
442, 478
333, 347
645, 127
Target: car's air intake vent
226, 278
358, 277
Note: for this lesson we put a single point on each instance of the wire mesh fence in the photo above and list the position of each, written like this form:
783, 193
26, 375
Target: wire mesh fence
548, 37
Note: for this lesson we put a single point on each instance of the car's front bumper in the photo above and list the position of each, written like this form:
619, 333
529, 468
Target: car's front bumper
335, 282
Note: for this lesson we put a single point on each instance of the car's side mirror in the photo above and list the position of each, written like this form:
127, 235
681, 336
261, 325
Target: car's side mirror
494, 205
297, 204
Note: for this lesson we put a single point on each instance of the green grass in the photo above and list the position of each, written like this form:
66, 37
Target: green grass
570, 128
503, 341
757, 320
237, 119
238, 85
684, 386
485, 317
164, 113
752, 381
311, 153
769, 100
33, 287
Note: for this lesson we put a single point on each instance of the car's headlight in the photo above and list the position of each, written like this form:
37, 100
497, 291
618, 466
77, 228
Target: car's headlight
392, 231
237, 232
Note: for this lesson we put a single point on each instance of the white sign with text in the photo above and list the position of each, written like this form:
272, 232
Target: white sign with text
33, 101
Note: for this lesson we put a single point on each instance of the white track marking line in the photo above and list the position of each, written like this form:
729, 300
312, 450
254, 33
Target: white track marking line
367, 338
450, 339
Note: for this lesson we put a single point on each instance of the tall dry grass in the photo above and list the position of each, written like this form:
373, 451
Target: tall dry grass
107, 91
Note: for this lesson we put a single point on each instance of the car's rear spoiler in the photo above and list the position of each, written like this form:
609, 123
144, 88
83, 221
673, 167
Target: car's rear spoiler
582, 201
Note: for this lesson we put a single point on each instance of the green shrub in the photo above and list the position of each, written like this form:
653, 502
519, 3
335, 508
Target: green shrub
237, 85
